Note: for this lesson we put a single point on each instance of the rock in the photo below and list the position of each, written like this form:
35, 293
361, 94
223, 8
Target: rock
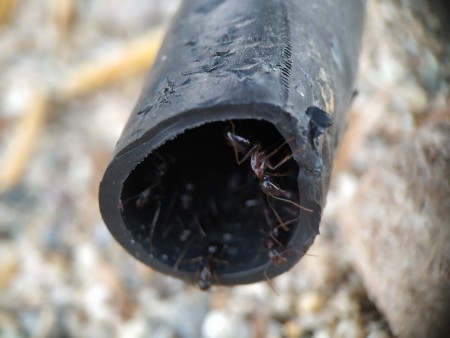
221, 324
310, 302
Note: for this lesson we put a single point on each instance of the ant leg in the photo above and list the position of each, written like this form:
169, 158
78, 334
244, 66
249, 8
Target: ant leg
141, 197
199, 226
154, 221
290, 202
183, 252
278, 217
286, 158
273, 152
246, 156
233, 128
279, 164
272, 234
233, 140
269, 281
169, 228
167, 215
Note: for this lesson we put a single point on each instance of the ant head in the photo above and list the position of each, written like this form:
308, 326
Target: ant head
277, 257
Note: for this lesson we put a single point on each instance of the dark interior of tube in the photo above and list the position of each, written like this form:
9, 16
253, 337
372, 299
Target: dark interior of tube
190, 204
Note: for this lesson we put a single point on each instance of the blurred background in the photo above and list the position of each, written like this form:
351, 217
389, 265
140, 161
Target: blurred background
70, 74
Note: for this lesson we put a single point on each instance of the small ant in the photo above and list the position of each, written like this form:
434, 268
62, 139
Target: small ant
275, 256
273, 241
206, 271
260, 163
142, 198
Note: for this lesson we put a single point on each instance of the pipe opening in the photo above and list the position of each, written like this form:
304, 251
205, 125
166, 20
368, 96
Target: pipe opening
191, 206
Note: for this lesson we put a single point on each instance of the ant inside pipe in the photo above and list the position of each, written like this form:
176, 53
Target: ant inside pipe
273, 240
206, 271
142, 198
278, 257
207, 264
260, 164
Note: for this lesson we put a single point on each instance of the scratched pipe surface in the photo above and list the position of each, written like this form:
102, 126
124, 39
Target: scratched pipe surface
238, 86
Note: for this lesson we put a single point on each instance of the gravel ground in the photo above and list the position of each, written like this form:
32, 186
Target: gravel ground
61, 272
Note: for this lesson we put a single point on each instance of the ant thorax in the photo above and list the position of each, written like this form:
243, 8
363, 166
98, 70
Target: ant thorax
258, 162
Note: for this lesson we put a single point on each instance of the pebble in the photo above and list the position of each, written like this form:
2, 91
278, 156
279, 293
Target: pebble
349, 329
292, 329
378, 333
274, 330
8, 327
282, 305
9, 265
310, 302
133, 328
322, 333
344, 303
222, 324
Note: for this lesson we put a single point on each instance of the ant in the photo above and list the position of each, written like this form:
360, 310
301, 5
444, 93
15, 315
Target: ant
259, 160
142, 198
260, 163
277, 257
273, 240
206, 271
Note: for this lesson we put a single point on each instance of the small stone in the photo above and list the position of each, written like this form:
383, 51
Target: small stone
349, 329
274, 330
345, 303
134, 328
292, 329
310, 302
378, 333
323, 333
9, 265
9, 327
282, 305
220, 324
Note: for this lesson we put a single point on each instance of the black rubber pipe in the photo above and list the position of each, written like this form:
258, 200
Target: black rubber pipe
221, 172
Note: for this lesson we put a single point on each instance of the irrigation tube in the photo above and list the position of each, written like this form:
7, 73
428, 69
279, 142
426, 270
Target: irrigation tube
221, 173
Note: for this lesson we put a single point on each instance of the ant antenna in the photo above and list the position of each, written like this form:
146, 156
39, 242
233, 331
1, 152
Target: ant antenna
269, 281
278, 217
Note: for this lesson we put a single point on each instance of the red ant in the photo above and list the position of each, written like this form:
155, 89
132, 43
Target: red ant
260, 163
